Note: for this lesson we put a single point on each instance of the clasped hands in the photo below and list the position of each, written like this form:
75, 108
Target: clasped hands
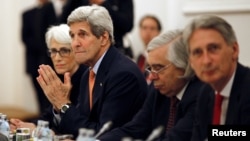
56, 91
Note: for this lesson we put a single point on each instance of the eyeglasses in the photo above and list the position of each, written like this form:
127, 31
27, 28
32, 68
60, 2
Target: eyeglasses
63, 52
156, 71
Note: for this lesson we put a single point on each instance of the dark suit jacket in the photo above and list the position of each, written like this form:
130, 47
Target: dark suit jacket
122, 14
238, 112
30, 37
74, 96
35, 51
70, 6
155, 112
119, 92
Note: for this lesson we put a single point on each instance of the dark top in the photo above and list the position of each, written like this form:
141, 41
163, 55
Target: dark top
119, 92
31, 38
155, 113
238, 112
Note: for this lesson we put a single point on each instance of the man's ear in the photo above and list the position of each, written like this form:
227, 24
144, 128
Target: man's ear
105, 39
235, 51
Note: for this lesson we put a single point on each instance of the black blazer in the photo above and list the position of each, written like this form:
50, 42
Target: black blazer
122, 14
74, 96
238, 112
155, 112
119, 92
30, 38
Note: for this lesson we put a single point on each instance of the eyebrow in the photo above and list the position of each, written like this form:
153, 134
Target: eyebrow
63, 47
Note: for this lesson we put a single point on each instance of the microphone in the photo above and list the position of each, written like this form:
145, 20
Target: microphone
155, 133
104, 128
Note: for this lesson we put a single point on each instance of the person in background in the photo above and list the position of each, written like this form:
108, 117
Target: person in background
149, 27
71, 5
33, 54
121, 12
213, 54
109, 91
63, 58
173, 83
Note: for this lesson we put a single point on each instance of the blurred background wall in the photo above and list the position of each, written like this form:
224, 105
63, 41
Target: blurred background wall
16, 92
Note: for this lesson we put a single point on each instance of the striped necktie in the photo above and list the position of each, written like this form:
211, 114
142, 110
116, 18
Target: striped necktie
172, 112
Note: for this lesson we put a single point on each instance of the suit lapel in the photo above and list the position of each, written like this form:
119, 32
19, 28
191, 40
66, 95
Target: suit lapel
235, 94
102, 74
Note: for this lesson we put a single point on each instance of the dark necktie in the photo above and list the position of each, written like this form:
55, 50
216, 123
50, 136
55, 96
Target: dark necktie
91, 85
217, 109
172, 112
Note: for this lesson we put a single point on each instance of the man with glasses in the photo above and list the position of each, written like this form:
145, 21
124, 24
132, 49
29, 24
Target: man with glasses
169, 107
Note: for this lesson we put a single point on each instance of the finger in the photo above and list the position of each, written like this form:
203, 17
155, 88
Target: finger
14, 121
67, 79
50, 76
41, 82
43, 74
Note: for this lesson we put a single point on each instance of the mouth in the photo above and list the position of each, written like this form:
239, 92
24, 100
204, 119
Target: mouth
77, 52
157, 86
59, 65
208, 72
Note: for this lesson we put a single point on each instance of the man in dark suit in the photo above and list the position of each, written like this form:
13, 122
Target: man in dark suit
119, 88
172, 77
214, 53
34, 54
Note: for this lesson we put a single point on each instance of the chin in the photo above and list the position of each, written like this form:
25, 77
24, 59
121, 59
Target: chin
60, 71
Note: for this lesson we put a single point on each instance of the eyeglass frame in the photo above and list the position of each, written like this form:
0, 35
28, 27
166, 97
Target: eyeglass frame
150, 71
63, 52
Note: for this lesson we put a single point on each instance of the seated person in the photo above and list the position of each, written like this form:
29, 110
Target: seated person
63, 58
149, 27
169, 107
214, 56
112, 89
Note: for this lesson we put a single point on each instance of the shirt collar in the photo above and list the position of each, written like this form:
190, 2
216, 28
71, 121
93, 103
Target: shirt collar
227, 89
181, 93
97, 64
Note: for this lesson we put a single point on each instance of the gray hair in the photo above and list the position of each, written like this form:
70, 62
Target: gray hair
177, 53
97, 17
210, 22
60, 33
